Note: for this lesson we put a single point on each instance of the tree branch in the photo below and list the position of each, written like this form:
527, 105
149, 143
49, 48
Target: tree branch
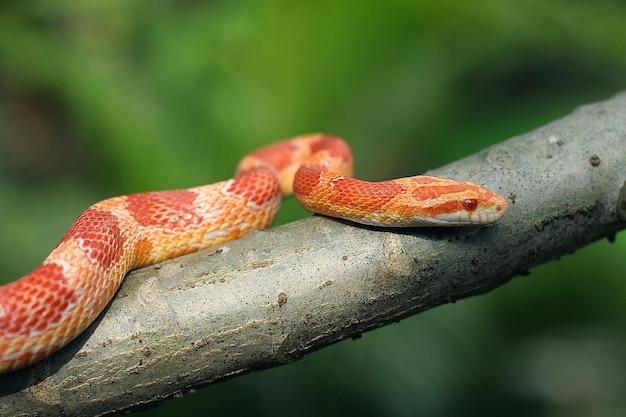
273, 296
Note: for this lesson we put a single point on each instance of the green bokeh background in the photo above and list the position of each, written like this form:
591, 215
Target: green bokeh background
103, 98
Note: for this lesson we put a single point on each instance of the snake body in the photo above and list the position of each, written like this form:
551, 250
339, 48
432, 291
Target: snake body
44, 310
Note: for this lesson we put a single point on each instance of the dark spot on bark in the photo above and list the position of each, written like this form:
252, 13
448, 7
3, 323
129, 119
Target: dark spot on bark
282, 299
475, 266
261, 264
308, 317
325, 284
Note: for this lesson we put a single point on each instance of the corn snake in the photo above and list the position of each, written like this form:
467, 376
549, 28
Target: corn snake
44, 310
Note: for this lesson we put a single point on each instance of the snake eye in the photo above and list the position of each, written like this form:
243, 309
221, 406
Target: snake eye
470, 204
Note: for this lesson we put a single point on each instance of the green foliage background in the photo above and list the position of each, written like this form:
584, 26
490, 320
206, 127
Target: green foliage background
99, 98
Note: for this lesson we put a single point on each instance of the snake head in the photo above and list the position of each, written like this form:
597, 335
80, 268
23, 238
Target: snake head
445, 202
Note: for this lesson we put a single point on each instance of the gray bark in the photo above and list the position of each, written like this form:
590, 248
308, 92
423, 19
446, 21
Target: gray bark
273, 296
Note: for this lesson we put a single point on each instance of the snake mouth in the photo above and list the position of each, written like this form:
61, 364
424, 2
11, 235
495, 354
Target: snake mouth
483, 212
494, 209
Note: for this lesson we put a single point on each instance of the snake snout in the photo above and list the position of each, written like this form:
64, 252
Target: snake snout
493, 208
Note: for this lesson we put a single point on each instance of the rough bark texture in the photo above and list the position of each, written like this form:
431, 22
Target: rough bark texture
273, 296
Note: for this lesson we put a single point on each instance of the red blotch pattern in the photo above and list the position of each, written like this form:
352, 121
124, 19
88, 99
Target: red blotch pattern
163, 208
259, 186
100, 237
308, 178
35, 304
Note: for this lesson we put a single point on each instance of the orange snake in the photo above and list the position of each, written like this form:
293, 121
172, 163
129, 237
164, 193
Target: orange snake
46, 309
